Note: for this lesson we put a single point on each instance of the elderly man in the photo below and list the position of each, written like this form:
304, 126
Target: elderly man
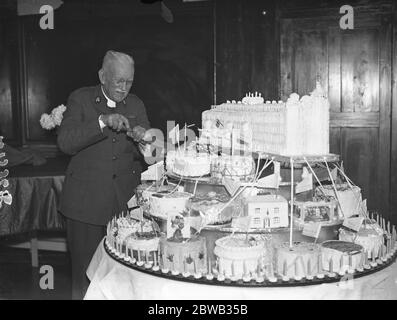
101, 129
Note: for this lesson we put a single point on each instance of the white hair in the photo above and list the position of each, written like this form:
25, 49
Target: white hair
113, 56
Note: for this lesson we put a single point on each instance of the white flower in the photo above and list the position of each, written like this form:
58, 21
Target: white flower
47, 122
57, 114
54, 119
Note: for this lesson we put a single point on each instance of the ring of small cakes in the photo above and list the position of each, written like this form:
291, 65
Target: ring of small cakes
169, 239
246, 259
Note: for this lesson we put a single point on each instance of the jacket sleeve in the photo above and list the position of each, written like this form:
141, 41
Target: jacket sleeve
75, 133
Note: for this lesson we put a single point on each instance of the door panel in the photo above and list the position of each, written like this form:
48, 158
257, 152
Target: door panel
354, 67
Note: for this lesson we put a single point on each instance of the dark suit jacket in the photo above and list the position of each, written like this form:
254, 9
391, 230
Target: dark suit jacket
104, 167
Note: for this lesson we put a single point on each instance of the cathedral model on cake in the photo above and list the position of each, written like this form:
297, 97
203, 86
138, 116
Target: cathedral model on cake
299, 126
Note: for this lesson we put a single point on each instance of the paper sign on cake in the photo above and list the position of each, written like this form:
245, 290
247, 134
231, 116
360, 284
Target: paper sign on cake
132, 202
312, 229
353, 223
136, 213
307, 182
178, 227
174, 134
154, 172
273, 180
231, 185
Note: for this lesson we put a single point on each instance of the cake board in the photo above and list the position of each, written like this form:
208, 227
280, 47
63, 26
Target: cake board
252, 283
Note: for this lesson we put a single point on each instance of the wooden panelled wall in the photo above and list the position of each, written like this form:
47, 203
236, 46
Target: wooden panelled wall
297, 42
174, 69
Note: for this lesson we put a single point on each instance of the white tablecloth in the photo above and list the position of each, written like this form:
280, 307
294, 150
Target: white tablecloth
112, 280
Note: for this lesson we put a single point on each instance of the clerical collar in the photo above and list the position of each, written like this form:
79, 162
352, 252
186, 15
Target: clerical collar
110, 102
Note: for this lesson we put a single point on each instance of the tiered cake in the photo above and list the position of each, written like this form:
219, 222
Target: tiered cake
198, 240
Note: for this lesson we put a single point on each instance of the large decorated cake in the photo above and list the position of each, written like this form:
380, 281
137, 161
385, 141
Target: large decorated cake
233, 227
299, 126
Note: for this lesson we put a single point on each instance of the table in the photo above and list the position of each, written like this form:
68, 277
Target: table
112, 280
36, 191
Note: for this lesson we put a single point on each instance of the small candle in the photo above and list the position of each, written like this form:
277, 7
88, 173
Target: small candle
139, 255
233, 271
258, 268
309, 269
382, 252
155, 257
271, 269
285, 268
296, 268
341, 262
319, 263
331, 266
361, 260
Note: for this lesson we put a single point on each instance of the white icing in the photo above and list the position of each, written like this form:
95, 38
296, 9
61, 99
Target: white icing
295, 127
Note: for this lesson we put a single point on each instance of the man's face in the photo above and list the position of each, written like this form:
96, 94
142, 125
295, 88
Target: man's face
117, 80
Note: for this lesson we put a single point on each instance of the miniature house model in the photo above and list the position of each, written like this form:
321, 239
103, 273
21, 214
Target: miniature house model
267, 211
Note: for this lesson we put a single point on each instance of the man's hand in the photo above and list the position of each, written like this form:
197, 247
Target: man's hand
115, 121
137, 133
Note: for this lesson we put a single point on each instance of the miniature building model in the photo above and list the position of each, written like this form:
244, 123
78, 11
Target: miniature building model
267, 211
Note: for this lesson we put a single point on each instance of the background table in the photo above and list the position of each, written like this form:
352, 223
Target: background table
36, 192
112, 280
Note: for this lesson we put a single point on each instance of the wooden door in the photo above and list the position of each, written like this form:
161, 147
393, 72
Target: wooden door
355, 68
